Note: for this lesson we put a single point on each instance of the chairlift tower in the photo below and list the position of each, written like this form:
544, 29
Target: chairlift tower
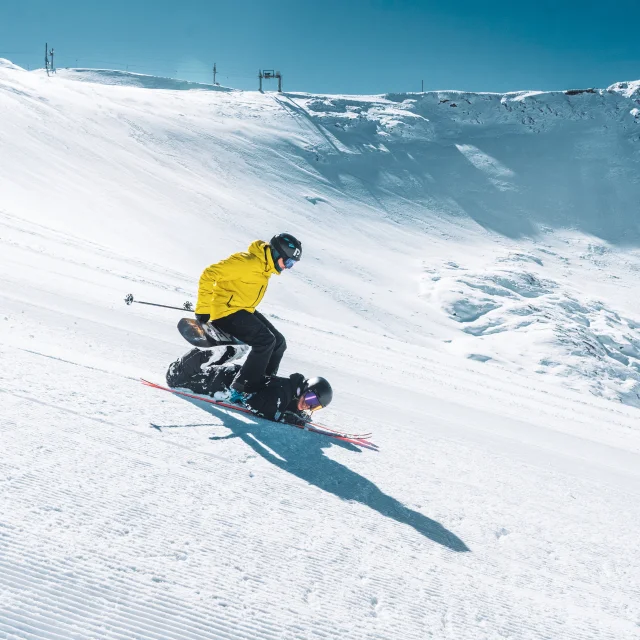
270, 74
48, 59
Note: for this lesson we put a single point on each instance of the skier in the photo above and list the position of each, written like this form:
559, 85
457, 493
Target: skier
279, 399
228, 294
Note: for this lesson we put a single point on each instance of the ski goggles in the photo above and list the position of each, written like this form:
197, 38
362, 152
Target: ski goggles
289, 262
311, 400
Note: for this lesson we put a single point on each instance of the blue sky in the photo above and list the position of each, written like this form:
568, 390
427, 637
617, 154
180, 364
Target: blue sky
348, 46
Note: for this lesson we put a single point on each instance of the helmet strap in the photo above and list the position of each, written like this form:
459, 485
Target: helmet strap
275, 255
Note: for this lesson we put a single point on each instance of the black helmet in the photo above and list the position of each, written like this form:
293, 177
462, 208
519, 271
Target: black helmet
321, 388
285, 246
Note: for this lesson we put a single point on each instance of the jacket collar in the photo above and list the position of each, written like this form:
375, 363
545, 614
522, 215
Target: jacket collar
261, 250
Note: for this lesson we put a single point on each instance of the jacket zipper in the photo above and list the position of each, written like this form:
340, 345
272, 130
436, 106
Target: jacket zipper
258, 298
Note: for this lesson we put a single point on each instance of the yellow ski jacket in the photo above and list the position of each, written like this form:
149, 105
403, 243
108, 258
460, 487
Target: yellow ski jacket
239, 282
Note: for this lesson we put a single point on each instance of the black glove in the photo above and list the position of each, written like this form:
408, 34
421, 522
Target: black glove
203, 317
297, 381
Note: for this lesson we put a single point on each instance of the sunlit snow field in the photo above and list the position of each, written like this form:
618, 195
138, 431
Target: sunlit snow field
469, 286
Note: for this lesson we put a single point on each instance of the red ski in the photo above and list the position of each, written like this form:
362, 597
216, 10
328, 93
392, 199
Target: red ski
357, 439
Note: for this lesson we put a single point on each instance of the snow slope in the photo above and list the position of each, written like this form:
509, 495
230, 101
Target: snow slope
468, 286
130, 79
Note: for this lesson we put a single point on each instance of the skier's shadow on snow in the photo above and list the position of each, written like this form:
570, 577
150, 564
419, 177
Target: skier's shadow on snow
301, 453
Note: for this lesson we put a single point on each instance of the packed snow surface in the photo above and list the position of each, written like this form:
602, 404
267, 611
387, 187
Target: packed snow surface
469, 285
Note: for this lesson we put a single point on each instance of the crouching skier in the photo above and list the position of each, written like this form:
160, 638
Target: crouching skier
228, 294
278, 398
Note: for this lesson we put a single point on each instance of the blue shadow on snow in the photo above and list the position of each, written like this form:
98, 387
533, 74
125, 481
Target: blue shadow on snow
301, 453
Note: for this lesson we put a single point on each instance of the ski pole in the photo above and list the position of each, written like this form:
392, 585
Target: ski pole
187, 306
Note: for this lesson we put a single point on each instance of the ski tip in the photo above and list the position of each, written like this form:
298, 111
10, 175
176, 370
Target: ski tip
368, 445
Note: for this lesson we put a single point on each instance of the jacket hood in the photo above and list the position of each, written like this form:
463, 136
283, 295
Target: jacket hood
262, 251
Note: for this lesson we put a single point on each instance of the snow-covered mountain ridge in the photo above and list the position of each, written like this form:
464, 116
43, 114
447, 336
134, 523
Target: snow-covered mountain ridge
468, 285
131, 79
528, 108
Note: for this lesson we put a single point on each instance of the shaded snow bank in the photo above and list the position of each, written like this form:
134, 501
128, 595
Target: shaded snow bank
512, 163
519, 310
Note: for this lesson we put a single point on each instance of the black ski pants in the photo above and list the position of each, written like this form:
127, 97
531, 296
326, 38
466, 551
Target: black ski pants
267, 346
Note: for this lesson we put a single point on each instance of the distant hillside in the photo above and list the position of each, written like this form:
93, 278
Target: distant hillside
130, 79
